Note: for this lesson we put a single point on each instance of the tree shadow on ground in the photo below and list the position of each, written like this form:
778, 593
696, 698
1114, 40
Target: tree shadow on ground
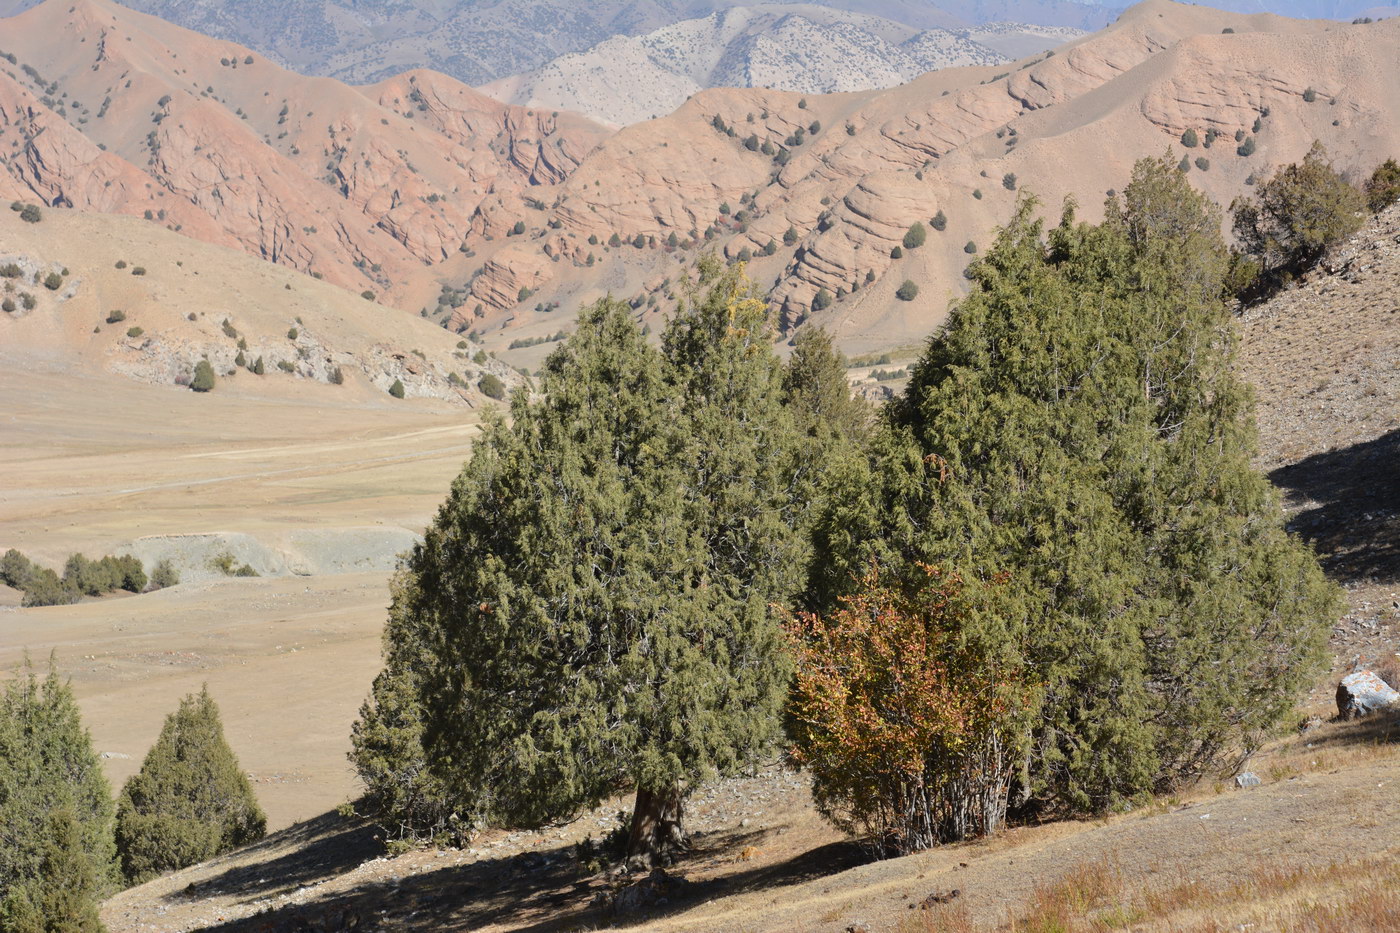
535, 892
1348, 508
321, 848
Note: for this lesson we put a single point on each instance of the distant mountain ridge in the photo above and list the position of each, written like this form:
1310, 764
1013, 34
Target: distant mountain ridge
791, 47
477, 41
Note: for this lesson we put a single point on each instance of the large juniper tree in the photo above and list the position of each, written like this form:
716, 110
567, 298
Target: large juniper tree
591, 610
57, 854
1078, 423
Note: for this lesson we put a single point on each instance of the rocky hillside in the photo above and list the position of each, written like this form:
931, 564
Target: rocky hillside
500, 221
1324, 357
93, 293
819, 192
797, 47
104, 109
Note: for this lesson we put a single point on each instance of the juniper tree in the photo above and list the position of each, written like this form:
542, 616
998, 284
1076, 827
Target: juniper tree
1079, 425
57, 854
591, 609
1298, 214
65, 892
190, 801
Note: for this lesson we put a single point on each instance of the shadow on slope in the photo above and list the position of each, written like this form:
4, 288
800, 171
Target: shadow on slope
1347, 506
317, 849
533, 892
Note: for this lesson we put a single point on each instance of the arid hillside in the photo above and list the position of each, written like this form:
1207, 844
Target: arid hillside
104, 109
119, 295
501, 221
819, 192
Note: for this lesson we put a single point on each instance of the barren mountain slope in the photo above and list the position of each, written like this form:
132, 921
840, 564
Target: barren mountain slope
140, 301
849, 173
797, 47
106, 109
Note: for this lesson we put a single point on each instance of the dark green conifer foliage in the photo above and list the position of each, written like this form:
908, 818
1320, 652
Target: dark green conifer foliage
203, 379
190, 801
1078, 425
64, 896
591, 609
818, 394
57, 855
1296, 215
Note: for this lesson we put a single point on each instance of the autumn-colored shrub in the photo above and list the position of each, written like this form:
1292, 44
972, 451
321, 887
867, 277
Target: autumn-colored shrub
907, 729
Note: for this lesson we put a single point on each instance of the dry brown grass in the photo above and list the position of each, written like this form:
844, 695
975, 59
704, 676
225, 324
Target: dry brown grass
1097, 897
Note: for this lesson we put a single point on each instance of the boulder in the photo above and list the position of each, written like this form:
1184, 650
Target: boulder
1362, 693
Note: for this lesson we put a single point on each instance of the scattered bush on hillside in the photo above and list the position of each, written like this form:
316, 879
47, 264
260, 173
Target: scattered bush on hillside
977, 193
1310, 95
915, 236
135, 332
1295, 216
116, 316
1203, 163
1246, 148
121, 264
293, 333
337, 377
164, 575
907, 291
57, 854
1189, 139
11, 270
138, 270
226, 564
1383, 187
53, 281
821, 300
940, 221
897, 253
491, 386
190, 801
970, 248
396, 389
8, 305
31, 214
909, 731
203, 379
521, 343
1008, 181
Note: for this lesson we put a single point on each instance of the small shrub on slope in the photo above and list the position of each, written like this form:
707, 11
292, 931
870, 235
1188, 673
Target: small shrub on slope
190, 801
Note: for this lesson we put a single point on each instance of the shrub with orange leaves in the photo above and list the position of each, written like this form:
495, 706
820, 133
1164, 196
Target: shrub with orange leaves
908, 728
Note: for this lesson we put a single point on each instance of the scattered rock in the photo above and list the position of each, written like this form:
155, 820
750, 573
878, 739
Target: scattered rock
939, 897
1247, 779
1362, 693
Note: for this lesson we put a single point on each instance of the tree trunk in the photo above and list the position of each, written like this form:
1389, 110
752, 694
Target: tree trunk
657, 832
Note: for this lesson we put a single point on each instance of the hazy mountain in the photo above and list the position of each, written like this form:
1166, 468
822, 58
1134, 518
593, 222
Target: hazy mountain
477, 41
806, 48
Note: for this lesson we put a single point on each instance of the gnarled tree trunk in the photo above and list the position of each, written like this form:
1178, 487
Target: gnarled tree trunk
657, 833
